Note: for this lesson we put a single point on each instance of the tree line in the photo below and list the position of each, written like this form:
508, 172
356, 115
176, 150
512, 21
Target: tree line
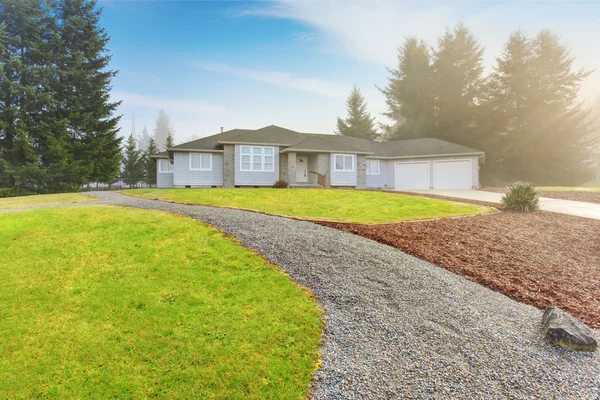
525, 114
57, 125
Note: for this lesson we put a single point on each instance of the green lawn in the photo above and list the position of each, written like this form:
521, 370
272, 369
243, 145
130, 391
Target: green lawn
360, 206
43, 199
107, 302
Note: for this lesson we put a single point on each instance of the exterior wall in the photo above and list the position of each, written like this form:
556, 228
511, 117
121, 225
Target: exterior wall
341, 178
228, 166
361, 172
379, 181
183, 176
391, 168
256, 178
313, 165
323, 166
283, 167
163, 179
291, 168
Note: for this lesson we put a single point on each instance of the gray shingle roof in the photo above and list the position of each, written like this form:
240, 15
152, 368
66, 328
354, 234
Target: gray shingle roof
292, 140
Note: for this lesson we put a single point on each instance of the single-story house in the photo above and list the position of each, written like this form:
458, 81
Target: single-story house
244, 157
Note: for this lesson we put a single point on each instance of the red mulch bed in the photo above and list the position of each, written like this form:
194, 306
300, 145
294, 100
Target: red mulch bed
539, 258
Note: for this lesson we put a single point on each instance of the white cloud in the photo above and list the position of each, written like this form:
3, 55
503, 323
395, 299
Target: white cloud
371, 31
281, 79
195, 106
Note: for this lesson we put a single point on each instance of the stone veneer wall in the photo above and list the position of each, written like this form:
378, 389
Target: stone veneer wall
323, 166
228, 166
283, 167
361, 171
291, 169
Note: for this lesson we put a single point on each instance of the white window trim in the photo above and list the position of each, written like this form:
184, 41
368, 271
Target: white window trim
160, 164
201, 154
378, 167
335, 168
262, 155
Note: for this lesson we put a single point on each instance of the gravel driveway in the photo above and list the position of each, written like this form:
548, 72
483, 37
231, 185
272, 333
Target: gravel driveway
399, 327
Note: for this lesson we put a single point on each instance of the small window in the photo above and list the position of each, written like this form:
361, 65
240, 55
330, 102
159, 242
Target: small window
372, 167
344, 162
255, 158
200, 162
164, 166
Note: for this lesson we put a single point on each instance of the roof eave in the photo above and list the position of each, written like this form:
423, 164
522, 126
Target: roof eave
288, 150
195, 150
479, 153
254, 143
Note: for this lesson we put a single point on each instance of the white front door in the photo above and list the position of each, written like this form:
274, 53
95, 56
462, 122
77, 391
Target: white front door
302, 169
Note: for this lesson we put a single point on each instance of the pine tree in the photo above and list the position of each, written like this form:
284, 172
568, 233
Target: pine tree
163, 129
359, 122
544, 133
409, 94
133, 164
170, 142
24, 98
150, 162
143, 139
85, 90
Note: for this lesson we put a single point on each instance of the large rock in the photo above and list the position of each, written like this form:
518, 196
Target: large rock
563, 330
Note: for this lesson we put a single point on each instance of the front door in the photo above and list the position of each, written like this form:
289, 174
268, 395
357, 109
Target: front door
301, 169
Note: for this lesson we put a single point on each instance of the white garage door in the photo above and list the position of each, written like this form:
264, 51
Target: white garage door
452, 174
412, 176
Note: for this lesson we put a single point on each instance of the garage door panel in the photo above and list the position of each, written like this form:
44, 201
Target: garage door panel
412, 176
452, 174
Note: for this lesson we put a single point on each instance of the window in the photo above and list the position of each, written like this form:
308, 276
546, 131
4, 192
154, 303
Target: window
164, 166
257, 158
372, 167
344, 162
200, 162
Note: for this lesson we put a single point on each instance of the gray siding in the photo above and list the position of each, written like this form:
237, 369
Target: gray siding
183, 176
256, 178
391, 168
379, 181
163, 179
340, 178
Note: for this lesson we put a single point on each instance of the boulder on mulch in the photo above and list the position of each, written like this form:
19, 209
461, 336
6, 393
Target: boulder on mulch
563, 330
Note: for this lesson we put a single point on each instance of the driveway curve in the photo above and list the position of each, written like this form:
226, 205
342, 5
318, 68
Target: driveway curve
399, 327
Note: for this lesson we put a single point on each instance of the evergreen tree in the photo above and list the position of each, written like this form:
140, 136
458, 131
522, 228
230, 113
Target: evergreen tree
24, 95
170, 142
134, 166
409, 95
86, 84
544, 133
150, 162
143, 139
163, 129
457, 81
359, 122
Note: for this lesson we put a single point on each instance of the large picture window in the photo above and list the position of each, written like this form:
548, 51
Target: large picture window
164, 166
344, 162
256, 158
372, 167
200, 162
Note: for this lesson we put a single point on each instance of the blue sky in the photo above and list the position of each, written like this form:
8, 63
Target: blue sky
292, 63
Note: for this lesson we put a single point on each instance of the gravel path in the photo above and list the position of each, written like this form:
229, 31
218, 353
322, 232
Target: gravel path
399, 327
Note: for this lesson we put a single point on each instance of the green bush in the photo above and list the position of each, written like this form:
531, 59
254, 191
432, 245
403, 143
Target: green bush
281, 184
521, 196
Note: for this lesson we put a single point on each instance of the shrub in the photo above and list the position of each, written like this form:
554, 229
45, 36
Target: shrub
281, 184
521, 196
